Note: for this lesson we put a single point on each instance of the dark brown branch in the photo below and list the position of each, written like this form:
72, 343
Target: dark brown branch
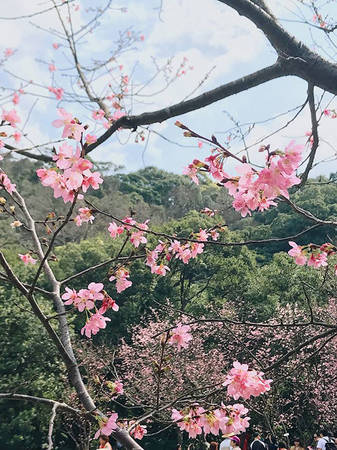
301, 61
314, 134
207, 98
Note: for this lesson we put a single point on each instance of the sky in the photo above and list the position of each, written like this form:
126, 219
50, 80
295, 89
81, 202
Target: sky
217, 46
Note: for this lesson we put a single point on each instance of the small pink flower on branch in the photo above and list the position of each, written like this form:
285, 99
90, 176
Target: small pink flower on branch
27, 259
138, 431
11, 117
72, 128
94, 324
106, 427
121, 276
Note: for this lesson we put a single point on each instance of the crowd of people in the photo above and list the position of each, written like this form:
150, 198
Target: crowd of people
322, 440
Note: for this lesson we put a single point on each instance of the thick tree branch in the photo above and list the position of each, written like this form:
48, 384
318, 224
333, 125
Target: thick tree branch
314, 134
207, 98
301, 61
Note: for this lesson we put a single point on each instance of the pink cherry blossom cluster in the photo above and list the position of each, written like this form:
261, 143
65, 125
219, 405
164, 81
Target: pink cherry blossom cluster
135, 229
175, 249
5, 183
181, 336
245, 383
195, 420
138, 431
85, 299
121, 276
57, 91
84, 216
71, 174
72, 128
253, 190
312, 254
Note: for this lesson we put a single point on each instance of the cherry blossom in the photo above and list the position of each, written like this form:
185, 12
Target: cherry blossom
108, 426
98, 115
297, 253
115, 230
27, 259
245, 383
16, 98
94, 324
181, 336
90, 139
71, 126
11, 117
85, 215
121, 276
6, 183
57, 91
51, 67
138, 432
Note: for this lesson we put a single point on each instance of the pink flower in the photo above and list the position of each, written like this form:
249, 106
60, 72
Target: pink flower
16, 98
84, 300
138, 238
6, 183
70, 296
160, 270
57, 91
8, 52
71, 127
85, 215
95, 291
51, 67
11, 117
181, 336
317, 259
55, 45
121, 278
191, 172
98, 115
108, 426
115, 229
108, 303
296, 252
244, 383
27, 259
138, 432
90, 139
64, 156
94, 324
17, 136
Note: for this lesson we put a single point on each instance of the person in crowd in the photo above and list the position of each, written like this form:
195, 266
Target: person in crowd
271, 442
257, 443
213, 446
297, 445
326, 441
282, 446
226, 443
104, 442
235, 443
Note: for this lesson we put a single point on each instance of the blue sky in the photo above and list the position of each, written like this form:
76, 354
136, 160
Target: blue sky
219, 45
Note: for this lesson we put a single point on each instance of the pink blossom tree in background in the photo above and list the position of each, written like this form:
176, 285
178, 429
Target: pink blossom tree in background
201, 375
